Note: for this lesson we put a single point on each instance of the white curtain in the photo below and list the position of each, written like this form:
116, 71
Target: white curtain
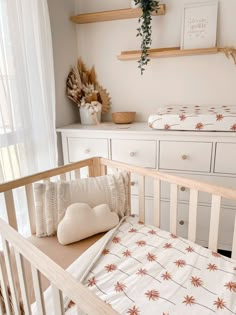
27, 92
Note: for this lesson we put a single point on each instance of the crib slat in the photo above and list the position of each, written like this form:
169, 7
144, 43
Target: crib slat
4, 290
141, 187
234, 242
103, 170
22, 281
129, 192
1, 306
31, 208
192, 227
6, 252
66, 176
173, 208
91, 171
38, 290
10, 206
63, 176
156, 202
77, 174
58, 300
214, 222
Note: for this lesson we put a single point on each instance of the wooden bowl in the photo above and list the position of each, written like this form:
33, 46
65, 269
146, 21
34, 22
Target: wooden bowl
123, 117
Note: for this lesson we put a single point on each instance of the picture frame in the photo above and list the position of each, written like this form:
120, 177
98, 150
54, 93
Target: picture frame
199, 25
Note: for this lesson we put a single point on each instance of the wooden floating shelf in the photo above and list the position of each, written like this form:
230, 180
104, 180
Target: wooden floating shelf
167, 52
113, 15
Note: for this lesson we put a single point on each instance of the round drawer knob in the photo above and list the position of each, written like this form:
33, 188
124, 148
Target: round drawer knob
132, 154
132, 183
181, 222
182, 188
184, 157
86, 151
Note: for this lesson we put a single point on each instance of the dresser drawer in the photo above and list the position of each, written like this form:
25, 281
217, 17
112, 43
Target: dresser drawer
185, 156
84, 148
225, 161
136, 152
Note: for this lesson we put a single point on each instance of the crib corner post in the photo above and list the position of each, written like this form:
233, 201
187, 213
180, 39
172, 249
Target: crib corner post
97, 169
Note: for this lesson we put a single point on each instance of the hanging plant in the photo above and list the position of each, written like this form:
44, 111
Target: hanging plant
145, 29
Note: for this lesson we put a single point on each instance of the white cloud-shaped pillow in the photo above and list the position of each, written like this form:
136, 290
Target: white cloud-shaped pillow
81, 221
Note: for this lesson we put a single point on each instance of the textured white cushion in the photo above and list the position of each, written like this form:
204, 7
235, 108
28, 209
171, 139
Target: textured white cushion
81, 221
51, 201
52, 198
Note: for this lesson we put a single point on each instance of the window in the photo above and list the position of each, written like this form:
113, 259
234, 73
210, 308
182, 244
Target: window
27, 95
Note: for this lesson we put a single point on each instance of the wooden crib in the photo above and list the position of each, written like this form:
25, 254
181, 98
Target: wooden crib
63, 284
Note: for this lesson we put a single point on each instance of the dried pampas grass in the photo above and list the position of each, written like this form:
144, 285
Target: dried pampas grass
105, 99
82, 83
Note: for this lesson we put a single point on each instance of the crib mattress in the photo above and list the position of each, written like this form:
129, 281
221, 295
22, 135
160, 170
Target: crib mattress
212, 118
144, 270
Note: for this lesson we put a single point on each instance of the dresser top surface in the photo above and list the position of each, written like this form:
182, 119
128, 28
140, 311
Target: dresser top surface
108, 126
138, 128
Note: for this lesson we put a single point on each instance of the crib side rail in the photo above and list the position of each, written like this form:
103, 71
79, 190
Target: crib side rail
172, 179
64, 173
216, 193
63, 284
45, 175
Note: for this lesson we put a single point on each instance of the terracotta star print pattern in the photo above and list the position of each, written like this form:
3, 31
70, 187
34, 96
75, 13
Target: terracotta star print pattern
207, 118
144, 270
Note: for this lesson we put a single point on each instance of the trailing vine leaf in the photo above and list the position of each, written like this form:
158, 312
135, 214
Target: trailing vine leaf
145, 29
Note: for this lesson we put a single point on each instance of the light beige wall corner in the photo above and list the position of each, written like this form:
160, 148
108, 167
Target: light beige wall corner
203, 80
65, 54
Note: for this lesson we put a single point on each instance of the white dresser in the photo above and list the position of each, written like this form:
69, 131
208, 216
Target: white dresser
205, 156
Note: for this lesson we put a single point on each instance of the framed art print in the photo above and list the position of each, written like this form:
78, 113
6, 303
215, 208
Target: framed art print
199, 25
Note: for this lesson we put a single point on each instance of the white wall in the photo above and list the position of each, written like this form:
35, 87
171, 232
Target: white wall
203, 80
65, 54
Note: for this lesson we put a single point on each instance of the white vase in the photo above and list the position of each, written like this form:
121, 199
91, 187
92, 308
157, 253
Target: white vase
87, 118
133, 5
